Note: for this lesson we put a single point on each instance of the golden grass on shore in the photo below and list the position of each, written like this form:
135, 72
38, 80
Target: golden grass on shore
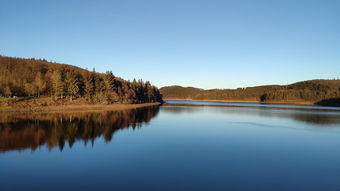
44, 105
78, 108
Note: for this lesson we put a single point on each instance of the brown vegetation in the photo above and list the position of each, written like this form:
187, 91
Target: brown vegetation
47, 104
306, 92
34, 78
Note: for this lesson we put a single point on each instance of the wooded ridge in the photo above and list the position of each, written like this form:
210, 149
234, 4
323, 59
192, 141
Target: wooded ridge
21, 77
321, 92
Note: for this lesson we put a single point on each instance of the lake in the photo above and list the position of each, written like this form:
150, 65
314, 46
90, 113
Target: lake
172, 147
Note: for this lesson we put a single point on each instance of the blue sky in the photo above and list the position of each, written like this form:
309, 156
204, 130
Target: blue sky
207, 44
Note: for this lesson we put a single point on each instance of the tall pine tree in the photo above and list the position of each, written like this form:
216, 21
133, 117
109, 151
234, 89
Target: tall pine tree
58, 83
111, 95
89, 87
72, 85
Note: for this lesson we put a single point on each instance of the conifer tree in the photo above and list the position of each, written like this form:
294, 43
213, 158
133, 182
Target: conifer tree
72, 85
110, 94
58, 84
109, 81
89, 87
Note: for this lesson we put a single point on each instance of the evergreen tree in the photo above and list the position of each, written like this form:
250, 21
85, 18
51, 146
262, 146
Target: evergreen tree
72, 85
109, 81
89, 89
58, 84
98, 84
148, 92
110, 94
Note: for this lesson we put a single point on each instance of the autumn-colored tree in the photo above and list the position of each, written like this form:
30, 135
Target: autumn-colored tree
7, 91
111, 95
72, 85
89, 89
58, 83
109, 81
31, 89
39, 83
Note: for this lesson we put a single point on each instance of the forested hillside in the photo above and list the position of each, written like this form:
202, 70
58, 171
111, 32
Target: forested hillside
325, 92
34, 78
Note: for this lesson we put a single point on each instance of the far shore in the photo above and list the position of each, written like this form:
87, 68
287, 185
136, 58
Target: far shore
75, 108
292, 102
247, 106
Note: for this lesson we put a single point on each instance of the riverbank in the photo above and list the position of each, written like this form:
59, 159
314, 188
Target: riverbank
24, 105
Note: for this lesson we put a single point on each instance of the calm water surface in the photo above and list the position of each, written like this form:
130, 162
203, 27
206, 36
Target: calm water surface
172, 148
264, 105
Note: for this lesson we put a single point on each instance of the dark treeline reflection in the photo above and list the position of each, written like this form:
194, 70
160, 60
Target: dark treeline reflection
307, 116
317, 118
29, 131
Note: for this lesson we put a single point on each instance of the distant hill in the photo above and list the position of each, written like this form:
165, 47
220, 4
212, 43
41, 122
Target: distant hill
324, 92
36, 77
180, 92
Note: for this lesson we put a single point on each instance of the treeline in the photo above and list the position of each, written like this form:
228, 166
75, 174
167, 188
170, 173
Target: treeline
312, 91
36, 77
246, 94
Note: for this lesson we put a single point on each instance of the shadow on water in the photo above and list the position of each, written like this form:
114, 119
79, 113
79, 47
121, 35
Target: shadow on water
30, 131
329, 102
317, 118
310, 117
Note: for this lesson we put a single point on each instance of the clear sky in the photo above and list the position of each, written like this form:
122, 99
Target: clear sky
207, 44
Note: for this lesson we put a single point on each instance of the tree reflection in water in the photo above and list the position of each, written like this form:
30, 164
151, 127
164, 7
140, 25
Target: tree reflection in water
307, 116
30, 131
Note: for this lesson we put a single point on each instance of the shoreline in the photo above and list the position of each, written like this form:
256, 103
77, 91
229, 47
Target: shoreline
75, 108
273, 105
246, 106
301, 103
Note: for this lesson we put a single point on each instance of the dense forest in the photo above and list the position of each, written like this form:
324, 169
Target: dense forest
36, 77
323, 92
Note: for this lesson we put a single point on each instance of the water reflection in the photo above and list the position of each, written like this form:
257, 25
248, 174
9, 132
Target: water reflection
326, 119
311, 117
30, 131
